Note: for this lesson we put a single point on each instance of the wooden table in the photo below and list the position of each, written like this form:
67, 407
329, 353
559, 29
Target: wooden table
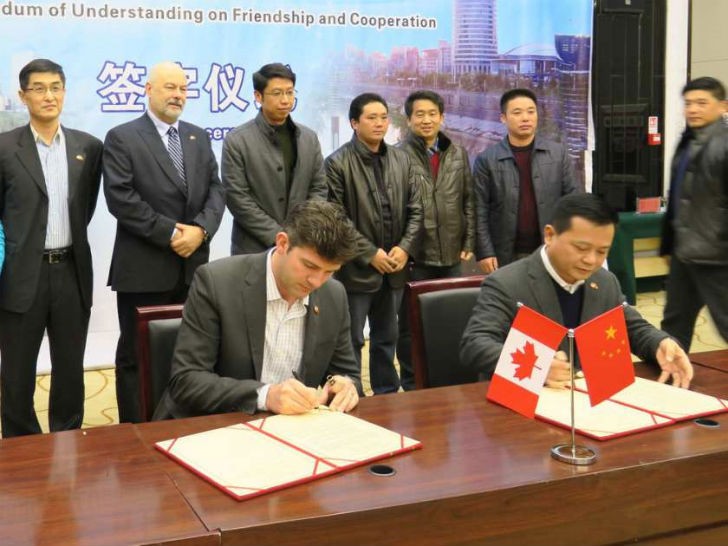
485, 476
95, 487
717, 360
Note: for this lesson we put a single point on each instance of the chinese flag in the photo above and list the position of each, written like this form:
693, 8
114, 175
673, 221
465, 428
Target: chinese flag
604, 352
524, 361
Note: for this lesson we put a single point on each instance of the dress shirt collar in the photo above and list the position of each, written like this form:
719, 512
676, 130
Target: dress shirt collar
161, 126
271, 288
570, 288
58, 138
435, 148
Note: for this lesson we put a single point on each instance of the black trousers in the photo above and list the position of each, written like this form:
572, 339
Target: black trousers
689, 288
57, 308
127, 368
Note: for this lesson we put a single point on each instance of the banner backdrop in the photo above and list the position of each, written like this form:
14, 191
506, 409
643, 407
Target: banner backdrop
469, 51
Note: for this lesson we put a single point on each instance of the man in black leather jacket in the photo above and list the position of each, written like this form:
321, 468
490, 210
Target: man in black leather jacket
376, 185
695, 231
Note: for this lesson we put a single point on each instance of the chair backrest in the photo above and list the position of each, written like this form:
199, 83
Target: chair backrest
157, 328
439, 310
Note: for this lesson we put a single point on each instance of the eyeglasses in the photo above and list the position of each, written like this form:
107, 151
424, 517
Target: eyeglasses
41, 90
278, 94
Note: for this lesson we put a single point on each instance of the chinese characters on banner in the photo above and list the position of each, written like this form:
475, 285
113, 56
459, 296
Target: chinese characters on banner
122, 87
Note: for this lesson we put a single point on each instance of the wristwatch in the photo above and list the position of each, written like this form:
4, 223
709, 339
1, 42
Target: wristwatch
206, 236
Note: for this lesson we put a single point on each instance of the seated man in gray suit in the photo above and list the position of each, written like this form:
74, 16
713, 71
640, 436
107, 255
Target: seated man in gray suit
565, 281
270, 331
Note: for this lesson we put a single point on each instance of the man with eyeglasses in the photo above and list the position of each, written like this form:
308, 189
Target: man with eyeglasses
269, 163
49, 182
161, 184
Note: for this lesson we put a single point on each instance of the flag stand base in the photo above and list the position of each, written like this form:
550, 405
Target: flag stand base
573, 454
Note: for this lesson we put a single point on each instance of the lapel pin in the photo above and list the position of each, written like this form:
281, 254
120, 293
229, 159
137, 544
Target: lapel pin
594, 285
79, 157
316, 310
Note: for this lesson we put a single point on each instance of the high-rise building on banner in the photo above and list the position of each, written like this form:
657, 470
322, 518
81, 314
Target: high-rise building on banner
574, 79
475, 40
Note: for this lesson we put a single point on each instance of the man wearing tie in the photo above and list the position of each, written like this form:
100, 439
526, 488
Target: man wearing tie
49, 182
161, 183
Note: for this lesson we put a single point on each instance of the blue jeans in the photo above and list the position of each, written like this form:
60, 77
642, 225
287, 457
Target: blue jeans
381, 309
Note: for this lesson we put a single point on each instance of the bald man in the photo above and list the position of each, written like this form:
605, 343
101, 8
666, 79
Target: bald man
161, 183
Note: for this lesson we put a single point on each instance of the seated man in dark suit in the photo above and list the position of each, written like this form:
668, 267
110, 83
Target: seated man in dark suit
565, 281
270, 331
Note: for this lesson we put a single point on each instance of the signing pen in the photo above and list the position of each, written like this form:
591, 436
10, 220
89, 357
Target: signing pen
297, 377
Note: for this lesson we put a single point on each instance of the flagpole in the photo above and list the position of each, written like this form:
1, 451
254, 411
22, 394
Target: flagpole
572, 453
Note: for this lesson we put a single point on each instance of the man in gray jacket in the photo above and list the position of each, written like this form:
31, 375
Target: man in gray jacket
376, 185
696, 224
269, 163
446, 186
517, 183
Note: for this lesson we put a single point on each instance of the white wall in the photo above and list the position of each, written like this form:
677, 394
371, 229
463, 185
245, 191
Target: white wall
676, 70
708, 51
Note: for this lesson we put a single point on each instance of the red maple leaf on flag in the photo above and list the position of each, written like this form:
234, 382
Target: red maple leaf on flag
525, 360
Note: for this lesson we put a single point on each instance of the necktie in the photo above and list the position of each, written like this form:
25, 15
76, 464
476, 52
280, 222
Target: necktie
174, 147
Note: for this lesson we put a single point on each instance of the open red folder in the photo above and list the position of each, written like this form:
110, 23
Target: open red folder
253, 458
644, 405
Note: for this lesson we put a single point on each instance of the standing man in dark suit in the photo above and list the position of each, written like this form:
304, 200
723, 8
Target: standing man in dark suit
162, 185
49, 182
263, 331
269, 163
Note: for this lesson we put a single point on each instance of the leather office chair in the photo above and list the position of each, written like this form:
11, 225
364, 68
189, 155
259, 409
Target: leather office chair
157, 328
439, 310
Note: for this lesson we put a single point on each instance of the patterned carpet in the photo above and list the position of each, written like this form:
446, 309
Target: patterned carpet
100, 386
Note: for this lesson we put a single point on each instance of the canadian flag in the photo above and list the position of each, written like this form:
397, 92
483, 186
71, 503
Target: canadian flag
524, 361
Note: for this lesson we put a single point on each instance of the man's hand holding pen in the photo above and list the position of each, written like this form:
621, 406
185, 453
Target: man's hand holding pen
292, 396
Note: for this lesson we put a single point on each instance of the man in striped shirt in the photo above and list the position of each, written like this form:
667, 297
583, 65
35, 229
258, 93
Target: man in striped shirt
49, 182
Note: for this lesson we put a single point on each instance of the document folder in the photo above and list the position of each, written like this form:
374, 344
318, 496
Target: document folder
256, 457
644, 405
